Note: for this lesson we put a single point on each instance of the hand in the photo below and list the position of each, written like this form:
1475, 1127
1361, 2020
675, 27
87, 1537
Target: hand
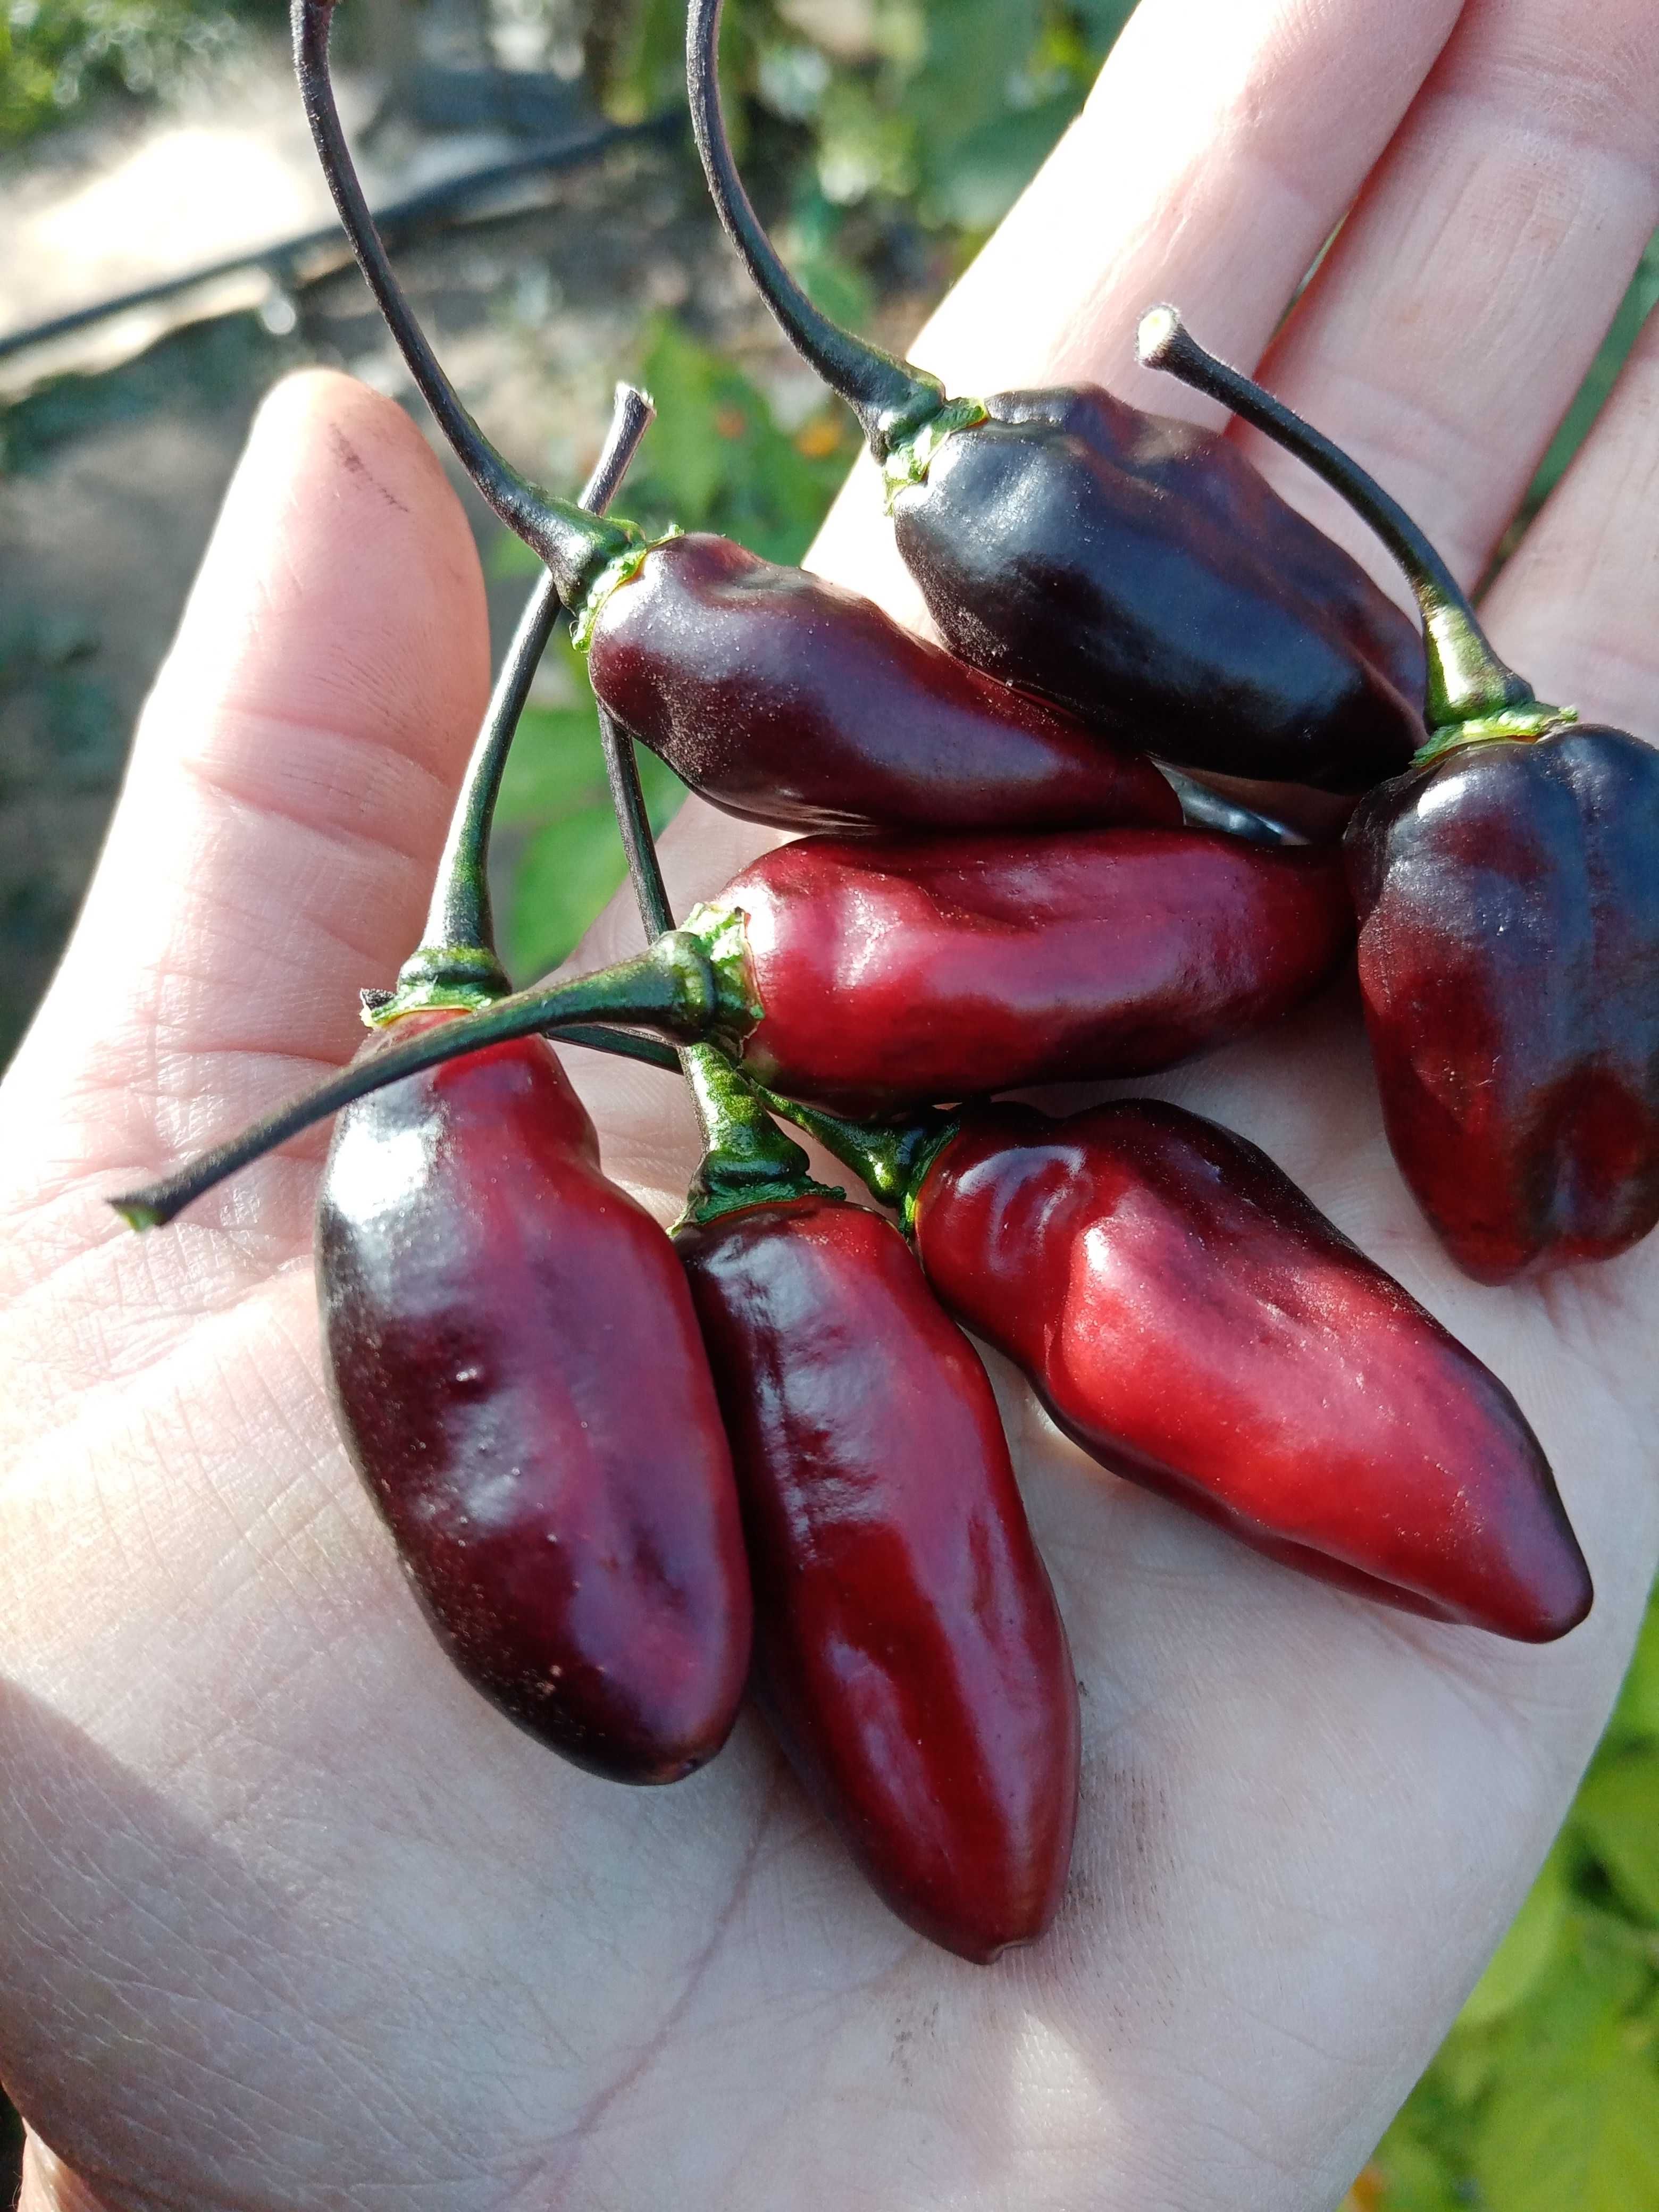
292, 1919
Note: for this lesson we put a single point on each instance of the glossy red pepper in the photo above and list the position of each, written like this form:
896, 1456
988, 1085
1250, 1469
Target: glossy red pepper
908, 1652
519, 1378
1192, 1321
886, 975
1136, 571
870, 977
773, 695
1508, 893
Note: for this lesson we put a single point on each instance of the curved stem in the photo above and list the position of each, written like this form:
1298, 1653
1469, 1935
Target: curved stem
891, 1160
1468, 682
574, 545
622, 769
891, 399
670, 988
460, 915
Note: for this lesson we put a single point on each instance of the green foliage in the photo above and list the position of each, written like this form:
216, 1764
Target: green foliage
54, 52
555, 803
1545, 2097
715, 458
947, 105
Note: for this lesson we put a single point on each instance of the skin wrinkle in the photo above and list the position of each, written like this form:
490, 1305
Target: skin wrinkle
590, 2121
222, 783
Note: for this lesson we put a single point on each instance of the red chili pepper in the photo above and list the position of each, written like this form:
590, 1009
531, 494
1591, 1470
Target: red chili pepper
887, 975
873, 977
518, 1376
773, 695
908, 1653
1194, 1322
514, 1361
1507, 890
1135, 570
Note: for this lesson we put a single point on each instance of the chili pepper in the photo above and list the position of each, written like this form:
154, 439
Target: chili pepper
876, 976
772, 694
908, 1653
1136, 571
517, 1374
1508, 897
1192, 1321
882, 976
512, 1356
789, 699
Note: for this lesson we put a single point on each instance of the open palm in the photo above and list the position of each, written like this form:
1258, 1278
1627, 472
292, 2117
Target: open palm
292, 1917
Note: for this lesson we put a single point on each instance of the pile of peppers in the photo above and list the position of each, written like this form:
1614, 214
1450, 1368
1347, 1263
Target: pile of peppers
1010, 871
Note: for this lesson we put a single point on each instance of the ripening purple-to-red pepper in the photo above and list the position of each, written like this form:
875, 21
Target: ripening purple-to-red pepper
873, 977
1190, 1318
575, 1545
629, 1476
1508, 897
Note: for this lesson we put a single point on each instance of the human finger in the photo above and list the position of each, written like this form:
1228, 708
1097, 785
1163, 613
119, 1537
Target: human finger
287, 795
1455, 317
1578, 605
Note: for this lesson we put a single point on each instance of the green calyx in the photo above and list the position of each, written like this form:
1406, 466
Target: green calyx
747, 1160
723, 933
1522, 724
608, 580
463, 976
892, 1162
908, 458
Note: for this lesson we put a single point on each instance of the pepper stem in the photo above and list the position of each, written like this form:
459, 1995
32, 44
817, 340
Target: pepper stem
455, 963
574, 546
622, 769
669, 987
747, 1160
892, 1162
1468, 682
891, 399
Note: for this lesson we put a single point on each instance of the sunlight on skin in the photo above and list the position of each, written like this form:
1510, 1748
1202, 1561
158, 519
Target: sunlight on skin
291, 1917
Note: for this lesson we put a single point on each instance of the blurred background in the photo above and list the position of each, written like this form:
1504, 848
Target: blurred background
169, 254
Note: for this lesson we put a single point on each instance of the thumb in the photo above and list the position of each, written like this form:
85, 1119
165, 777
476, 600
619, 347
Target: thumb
284, 806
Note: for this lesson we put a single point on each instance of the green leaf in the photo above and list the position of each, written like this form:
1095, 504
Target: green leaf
565, 877
716, 460
1416, 2176
1525, 1954
1574, 2128
1635, 1717
1617, 1814
683, 464
983, 174
555, 766
976, 49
